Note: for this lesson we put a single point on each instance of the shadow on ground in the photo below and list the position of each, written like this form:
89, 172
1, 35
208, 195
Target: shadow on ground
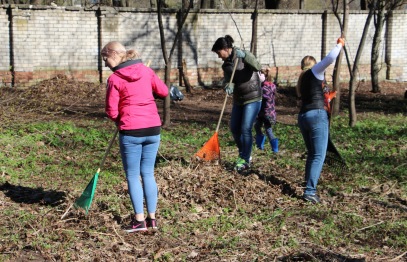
27, 195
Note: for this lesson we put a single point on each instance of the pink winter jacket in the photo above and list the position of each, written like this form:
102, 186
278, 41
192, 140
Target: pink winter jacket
130, 96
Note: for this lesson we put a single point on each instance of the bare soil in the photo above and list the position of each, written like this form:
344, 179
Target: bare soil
63, 99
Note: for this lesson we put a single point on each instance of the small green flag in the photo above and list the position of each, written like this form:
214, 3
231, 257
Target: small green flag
85, 200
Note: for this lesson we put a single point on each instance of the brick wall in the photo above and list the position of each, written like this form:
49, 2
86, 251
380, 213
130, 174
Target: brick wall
49, 41
5, 75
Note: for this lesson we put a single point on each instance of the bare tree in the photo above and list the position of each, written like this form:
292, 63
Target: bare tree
337, 68
168, 57
253, 44
182, 65
380, 8
355, 70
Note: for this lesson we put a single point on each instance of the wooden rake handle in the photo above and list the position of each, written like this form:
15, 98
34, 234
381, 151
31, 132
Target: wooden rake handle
226, 97
101, 165
108, 149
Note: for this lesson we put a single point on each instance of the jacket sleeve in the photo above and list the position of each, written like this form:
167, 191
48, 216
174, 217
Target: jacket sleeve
112, 101
251, 60
319, 68
160, 89
227, 68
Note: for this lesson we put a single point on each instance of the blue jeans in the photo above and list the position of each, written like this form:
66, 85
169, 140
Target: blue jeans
314, 126
241, 124
138, 157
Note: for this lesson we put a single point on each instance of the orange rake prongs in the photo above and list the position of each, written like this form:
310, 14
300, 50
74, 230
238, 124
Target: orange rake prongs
211, 150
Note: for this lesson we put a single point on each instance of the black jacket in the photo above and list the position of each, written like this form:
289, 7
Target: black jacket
247, 86
312, 95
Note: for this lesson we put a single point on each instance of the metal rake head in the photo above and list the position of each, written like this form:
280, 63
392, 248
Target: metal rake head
336, 162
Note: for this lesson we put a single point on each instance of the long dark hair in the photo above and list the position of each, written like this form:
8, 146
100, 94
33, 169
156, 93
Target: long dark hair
222, 43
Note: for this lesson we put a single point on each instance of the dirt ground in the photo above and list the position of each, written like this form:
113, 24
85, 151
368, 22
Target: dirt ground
62, 95
205, 105
64, 99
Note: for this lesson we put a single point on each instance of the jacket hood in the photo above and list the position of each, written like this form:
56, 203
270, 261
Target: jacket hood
128, 71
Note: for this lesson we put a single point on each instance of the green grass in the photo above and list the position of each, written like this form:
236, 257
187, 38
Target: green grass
65, 155
32, 149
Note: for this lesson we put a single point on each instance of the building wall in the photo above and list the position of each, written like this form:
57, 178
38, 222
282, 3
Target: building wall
47, 41
399, 47
4, 48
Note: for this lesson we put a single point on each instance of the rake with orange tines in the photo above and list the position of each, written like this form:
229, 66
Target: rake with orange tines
211, 149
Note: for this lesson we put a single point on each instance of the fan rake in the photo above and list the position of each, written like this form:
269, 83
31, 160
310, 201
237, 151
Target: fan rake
333, 159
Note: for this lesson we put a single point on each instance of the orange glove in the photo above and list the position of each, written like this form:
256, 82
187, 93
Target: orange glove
341, 41
328, 96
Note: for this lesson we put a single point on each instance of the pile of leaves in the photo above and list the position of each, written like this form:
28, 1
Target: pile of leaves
56, 96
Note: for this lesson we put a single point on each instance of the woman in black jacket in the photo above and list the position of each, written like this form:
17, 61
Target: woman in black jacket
247, 95
313, 117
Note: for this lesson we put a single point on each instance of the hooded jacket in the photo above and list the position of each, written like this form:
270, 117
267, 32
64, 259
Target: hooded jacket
130, 95
268, 109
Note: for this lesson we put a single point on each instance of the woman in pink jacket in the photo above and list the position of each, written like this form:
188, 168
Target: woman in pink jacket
130, 103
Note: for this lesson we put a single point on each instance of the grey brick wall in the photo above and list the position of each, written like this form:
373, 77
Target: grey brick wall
54, 40
399, 46
4, 38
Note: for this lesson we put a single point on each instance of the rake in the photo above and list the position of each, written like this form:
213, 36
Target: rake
333, 159
211, 149
85, 200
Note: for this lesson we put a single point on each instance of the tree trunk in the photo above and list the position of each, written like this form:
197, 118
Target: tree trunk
375, 61
167, 58
354, 73
338, 63
180, 55
181, 61
388, 43
185, 77
167, 101
253, 44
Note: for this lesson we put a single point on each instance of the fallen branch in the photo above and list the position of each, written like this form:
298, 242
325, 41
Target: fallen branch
162, 156
124, 242
67, 211
89, 232
363, 228
398, 257
400, 166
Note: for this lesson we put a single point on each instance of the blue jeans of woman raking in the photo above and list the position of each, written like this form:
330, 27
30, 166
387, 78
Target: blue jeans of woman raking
241, 124
314, 126
138, 157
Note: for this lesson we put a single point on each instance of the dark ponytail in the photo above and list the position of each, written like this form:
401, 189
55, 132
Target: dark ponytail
222, 43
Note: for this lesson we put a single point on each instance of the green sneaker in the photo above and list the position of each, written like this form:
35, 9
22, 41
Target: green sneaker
241, 165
